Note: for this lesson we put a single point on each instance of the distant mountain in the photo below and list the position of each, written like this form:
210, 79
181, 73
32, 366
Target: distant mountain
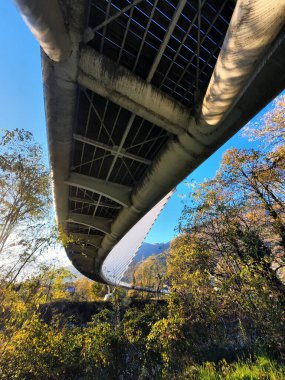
148, 249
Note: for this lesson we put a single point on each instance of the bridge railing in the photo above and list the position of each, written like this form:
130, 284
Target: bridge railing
118, 260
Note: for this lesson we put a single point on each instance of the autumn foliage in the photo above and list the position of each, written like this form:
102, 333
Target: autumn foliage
225, 315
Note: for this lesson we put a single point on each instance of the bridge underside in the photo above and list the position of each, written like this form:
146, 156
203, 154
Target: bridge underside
138, 94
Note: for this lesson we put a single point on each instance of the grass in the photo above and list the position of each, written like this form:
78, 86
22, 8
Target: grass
262, 368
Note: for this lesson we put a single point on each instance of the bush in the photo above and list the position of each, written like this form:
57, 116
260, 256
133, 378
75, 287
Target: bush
262, 368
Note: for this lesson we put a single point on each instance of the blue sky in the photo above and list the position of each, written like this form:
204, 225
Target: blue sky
22, 106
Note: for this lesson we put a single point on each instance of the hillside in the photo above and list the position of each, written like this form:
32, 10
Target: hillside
145, 252
148, 249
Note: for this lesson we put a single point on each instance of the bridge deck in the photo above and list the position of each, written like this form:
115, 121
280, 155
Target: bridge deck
138, 94
137, 41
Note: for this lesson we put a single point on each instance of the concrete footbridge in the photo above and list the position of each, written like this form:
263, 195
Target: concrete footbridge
138, 93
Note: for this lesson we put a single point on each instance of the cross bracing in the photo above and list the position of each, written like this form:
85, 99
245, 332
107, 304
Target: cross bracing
138, 94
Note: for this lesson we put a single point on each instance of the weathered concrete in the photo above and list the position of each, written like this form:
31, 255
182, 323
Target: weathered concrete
96, 222
83, 250
114, 191
88, 239
94, 203
106, 78
46, 22
254, 26
60, 90
184, 154
112, 149
251, 89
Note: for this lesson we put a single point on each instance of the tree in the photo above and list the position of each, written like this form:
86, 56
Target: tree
87, 290
150, 273
271, 130
256, 179
25, 228
24, 182
223, 268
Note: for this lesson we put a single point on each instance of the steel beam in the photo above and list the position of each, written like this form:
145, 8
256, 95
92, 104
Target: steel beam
87, 239
87, 251
113, 150
90, 33
166, 38
176, 159
83, 262
114, 82
96, 222
114, 191
184, 154
94, 203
